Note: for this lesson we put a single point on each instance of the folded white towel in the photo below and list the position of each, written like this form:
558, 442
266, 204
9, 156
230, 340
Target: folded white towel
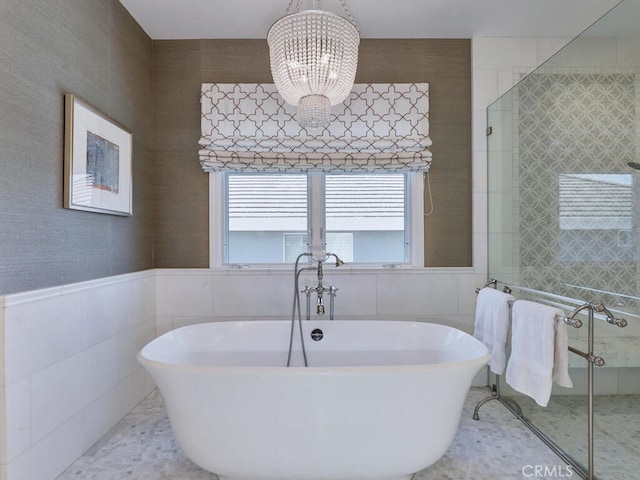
539, 350
491, 325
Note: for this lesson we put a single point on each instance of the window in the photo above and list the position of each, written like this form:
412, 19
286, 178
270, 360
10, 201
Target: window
596, 201
596, 216
266, 218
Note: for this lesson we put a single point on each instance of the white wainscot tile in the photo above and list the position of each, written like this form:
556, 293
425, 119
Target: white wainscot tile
164, 325
547, 47
47, 459
480, 180
254, 294
589, 52
114, 307
502, 212
414, 294
100, 416
143, 297
356, 296
605, 380
629, 380
502, 53
480, 212
3, 426
467, 285
100, 372
2, 343
137, 300
184, 294
506, 80
130, 343
104, 313
500, 168
461, 322
18, 421
40, 333
62, 390
628, 52
185, 321
132, 390
480, 249
56, 395
485, 88
500, 144
399, 295
479, 135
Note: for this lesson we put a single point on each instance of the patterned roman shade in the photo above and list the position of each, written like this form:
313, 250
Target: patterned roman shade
378, 128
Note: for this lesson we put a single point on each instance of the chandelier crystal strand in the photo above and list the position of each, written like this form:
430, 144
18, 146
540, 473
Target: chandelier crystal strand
314, 56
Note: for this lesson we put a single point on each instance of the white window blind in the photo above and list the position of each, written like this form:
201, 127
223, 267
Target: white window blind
378, 128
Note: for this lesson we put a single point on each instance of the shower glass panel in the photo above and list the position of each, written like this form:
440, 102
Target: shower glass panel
564, 193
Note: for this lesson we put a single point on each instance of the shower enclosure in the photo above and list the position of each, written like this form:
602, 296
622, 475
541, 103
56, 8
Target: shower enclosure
564, 190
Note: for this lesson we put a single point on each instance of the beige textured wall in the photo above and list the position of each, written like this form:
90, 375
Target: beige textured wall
181, 204
95, 50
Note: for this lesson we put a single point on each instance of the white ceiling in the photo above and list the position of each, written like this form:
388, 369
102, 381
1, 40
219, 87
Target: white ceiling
190, 19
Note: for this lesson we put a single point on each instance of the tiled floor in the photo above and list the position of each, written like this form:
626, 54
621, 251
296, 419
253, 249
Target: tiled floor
142, 447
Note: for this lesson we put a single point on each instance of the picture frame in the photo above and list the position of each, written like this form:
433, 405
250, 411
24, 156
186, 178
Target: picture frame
97, 161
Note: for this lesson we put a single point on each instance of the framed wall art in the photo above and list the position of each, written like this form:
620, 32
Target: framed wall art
97, 161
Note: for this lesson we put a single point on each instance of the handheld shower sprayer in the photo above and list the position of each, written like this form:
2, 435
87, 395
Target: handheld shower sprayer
338, 260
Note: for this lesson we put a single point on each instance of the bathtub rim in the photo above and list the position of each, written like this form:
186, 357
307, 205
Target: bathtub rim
317, 370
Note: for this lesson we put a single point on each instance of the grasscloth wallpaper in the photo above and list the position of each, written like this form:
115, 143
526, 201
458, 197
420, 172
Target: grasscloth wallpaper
95, 50
181, 187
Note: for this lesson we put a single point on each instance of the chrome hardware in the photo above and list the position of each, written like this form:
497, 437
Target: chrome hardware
319, 289
600, 308
620, 322
589, 357
574, 322
491, 283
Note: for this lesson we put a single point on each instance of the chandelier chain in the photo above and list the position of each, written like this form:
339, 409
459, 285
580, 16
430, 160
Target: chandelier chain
348, 12
288, 11
319, 7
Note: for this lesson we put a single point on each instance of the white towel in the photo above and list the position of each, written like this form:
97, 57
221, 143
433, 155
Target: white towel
491, 325
539, 350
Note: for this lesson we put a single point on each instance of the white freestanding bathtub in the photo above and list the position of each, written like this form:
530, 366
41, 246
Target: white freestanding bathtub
380, 399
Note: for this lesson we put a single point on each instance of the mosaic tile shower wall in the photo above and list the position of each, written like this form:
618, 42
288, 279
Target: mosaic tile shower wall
576, 133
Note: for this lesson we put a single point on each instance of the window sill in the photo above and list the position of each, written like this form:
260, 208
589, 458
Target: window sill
347, 269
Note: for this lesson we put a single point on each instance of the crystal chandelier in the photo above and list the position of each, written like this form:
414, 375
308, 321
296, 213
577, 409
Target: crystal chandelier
314, 56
